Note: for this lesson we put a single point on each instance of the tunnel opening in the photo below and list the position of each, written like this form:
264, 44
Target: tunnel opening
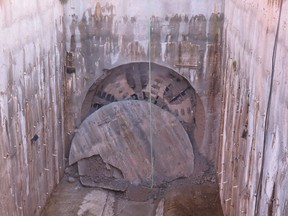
126, 86
170, 91
112, 150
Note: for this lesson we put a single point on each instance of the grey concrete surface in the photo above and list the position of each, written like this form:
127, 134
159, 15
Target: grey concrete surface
31, 104
253, 155
180, 199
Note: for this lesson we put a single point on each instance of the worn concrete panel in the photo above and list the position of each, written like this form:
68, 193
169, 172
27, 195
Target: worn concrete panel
31, 104
253, 154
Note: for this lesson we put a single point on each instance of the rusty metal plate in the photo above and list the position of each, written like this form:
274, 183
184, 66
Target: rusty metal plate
120, 134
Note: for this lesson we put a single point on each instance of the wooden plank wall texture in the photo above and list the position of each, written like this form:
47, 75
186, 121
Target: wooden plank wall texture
31, 104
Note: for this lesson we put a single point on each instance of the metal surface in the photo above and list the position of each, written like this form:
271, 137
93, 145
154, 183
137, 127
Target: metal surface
119, 133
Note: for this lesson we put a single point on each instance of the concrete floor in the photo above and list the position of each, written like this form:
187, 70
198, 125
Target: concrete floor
74, 199
177, 199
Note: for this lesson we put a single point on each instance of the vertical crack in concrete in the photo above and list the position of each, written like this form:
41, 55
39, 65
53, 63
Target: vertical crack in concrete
259, 187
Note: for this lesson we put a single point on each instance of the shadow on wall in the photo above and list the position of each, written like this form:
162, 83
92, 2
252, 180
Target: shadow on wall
62, 1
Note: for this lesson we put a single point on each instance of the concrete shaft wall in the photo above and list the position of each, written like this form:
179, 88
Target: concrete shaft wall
183, 35
250, 31
31, 103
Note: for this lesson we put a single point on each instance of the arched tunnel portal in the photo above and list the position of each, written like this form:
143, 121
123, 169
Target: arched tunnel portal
133, 132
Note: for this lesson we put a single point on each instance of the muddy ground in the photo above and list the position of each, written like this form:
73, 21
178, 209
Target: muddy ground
194, 196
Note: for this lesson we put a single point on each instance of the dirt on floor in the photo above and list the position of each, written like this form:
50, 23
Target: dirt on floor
194, 196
